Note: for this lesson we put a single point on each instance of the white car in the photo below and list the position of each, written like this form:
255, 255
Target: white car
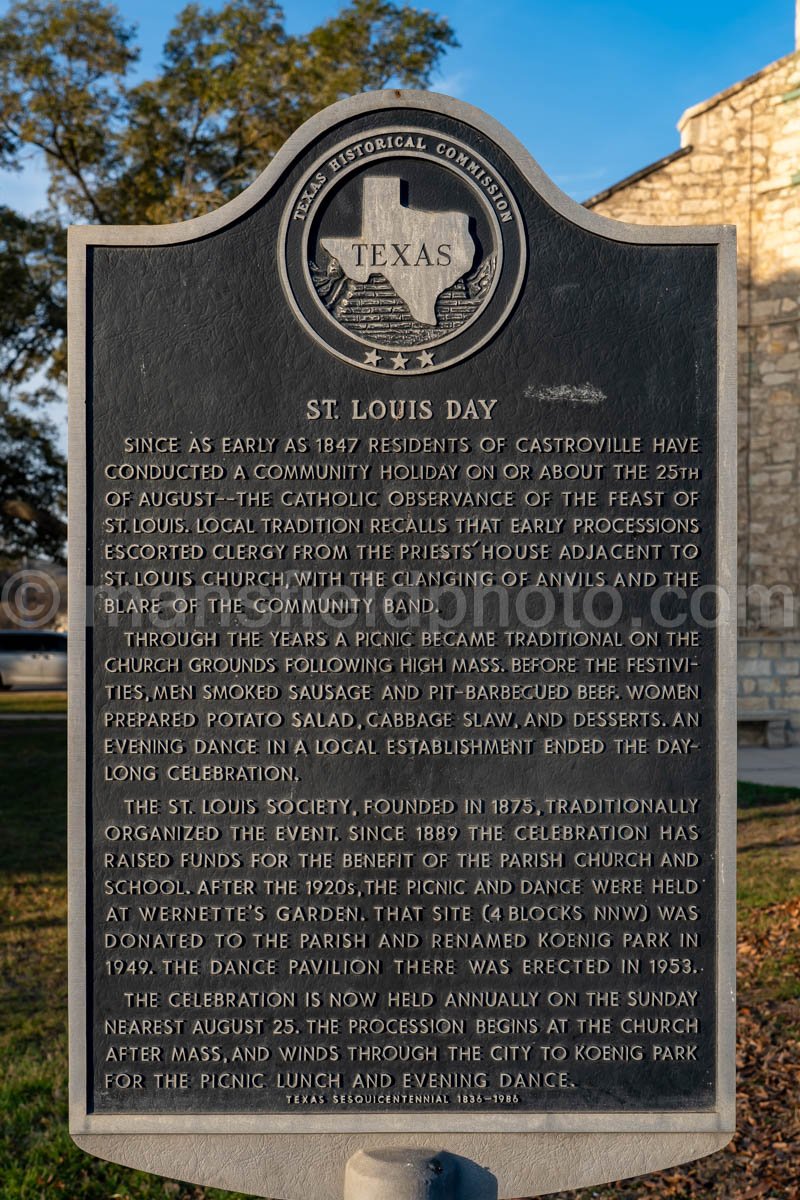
33, 659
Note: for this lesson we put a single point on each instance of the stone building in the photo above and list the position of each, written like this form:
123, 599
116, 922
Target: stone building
739, 163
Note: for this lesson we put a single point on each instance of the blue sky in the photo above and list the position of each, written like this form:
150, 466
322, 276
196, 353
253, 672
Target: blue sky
593, 88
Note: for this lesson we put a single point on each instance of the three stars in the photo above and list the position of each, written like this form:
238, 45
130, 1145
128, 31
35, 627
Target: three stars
372, 358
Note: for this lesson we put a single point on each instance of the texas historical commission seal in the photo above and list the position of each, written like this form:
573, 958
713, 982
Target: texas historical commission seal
402, 251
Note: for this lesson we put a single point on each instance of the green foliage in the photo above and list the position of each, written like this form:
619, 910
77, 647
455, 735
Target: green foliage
32, 489
32, 294
32, 328
232, 86
62, 91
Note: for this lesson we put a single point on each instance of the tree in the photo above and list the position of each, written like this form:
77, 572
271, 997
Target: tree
232, 86
32, 328
33, 495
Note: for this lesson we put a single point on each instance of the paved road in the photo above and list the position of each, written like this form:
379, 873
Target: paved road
779, 768
4, 716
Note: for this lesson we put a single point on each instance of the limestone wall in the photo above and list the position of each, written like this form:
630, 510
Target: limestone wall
740, 164
769, 680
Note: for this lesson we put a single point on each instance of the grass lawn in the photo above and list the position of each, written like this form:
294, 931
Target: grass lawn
38, 1160
761, 1163
33, 702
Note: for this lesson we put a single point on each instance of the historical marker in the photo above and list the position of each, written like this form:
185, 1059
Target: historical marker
402, 671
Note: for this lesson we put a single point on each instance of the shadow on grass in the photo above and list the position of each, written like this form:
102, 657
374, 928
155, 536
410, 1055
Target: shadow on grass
33, 800
780, 844
762, 795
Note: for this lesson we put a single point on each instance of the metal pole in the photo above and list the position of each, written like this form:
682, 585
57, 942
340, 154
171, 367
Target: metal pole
402, 1175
